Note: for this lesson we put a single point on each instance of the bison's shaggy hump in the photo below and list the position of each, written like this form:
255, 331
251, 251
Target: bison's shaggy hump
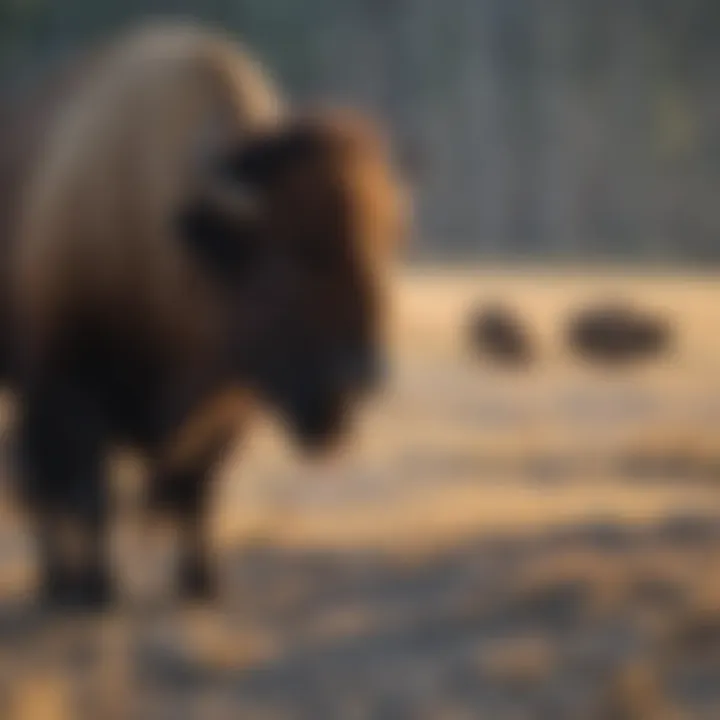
96, 222
26, 115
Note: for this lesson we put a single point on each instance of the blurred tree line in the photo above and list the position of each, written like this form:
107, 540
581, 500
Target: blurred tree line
544, 128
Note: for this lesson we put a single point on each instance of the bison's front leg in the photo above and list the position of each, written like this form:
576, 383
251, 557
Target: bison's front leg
183, 496
61, 445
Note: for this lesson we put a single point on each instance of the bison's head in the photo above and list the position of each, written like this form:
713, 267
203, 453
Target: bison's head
311, 215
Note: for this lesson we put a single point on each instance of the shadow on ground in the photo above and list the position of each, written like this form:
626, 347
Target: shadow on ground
595, 621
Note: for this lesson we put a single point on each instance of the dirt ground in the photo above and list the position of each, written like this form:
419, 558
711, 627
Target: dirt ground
496, 544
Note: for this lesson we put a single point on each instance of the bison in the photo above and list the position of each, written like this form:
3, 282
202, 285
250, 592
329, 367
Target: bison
183, 250
616, 333
499, 335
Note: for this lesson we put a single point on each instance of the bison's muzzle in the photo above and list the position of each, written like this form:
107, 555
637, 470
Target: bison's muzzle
317, 400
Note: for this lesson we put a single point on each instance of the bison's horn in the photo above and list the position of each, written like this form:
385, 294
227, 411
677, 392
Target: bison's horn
213, 182
231, 199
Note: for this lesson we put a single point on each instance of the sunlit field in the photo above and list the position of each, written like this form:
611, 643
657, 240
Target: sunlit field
495, 543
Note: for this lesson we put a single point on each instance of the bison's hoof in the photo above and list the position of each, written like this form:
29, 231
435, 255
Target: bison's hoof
197, 582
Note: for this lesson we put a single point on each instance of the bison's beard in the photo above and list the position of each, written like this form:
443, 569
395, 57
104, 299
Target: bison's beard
319, 427
314, 408
317, 424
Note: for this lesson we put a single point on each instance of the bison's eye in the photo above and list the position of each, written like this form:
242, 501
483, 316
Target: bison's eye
325, 253
321, 261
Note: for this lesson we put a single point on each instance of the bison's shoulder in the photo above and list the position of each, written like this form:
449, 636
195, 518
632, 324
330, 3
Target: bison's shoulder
120, 154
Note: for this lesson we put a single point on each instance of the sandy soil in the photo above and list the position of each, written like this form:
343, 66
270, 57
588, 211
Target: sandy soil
495, 544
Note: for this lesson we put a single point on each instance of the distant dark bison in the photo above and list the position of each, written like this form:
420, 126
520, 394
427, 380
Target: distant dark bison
179, 247
498, 335
616, 332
